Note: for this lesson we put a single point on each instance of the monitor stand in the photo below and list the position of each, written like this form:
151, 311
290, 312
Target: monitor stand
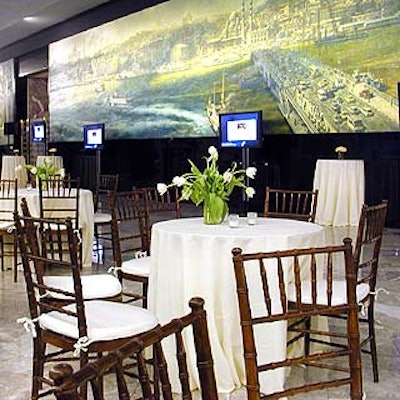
245, 164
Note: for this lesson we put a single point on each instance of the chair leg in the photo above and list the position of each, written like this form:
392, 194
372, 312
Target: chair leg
97, 241
84, 388
307, 324
372, 341
144, 293
15, 250
2, 252
39, 350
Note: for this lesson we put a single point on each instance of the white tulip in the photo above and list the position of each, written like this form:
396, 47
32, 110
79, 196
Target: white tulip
227, 176
213, 152
62, 172
179, 181
250, 192
251, 172
162, 188
34, 170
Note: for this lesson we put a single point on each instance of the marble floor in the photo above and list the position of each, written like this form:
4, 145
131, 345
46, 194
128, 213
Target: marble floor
15, 343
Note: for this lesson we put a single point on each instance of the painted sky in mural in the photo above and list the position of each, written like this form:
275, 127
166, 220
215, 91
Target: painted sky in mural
312, 66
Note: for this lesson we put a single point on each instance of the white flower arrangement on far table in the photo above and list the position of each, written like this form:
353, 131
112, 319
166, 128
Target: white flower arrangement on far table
44, 171
341, 150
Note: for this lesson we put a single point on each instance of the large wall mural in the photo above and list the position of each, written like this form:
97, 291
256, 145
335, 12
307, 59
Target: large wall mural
312, 66
7, 96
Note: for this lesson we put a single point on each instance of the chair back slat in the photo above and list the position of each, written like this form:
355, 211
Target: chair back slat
108, 183
59, 199
368, 242
167, 204
35, 241
130, 226
8, 206
8, 199
313, 274
153, 374
294, 204
302, 278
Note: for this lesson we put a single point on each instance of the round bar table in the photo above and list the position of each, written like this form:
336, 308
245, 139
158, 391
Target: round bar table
341, 187
9, 169
57, 161
194, 259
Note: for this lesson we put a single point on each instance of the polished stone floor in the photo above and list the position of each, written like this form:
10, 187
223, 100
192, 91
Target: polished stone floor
15, 343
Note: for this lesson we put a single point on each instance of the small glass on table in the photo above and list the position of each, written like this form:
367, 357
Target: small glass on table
233, 220
252, 218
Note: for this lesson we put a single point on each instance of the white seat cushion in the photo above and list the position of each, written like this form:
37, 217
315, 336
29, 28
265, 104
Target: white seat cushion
106, 320
137, 266
339, 293
5, 225
93, 286
102, 218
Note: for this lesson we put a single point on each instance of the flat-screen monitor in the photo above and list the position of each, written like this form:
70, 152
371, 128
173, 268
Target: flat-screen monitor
240, 129
93, 136
38, 129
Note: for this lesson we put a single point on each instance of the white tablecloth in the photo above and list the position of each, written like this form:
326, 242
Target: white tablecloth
341, 185
86, 217
57, 161
194, 259
8, 169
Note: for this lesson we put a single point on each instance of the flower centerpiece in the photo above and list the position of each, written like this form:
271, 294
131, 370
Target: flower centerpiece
341, 150
43, 171
211, 188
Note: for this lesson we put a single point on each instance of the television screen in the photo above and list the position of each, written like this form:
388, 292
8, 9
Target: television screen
241, 129
38, 131
93, 136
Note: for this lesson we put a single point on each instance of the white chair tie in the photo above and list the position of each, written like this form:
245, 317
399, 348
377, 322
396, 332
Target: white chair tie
363, 309
11, 229
140, 254
82, 344
378, 291
29, 325
363, 306
44, 295
113, 270
78, 235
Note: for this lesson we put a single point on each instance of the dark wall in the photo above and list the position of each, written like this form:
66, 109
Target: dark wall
286, 161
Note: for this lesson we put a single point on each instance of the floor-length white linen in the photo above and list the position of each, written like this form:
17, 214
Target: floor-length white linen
9, 169
86, 217
194, 259
341, 186
57, 161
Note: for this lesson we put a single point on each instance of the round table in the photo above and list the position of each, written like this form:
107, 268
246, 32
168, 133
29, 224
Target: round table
9, 169
193, 259
86, 217
341, 187
57, 161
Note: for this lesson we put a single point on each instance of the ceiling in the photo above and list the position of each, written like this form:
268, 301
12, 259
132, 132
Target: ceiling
44, 13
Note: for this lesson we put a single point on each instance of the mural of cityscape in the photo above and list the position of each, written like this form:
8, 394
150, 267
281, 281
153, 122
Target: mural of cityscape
311, 66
